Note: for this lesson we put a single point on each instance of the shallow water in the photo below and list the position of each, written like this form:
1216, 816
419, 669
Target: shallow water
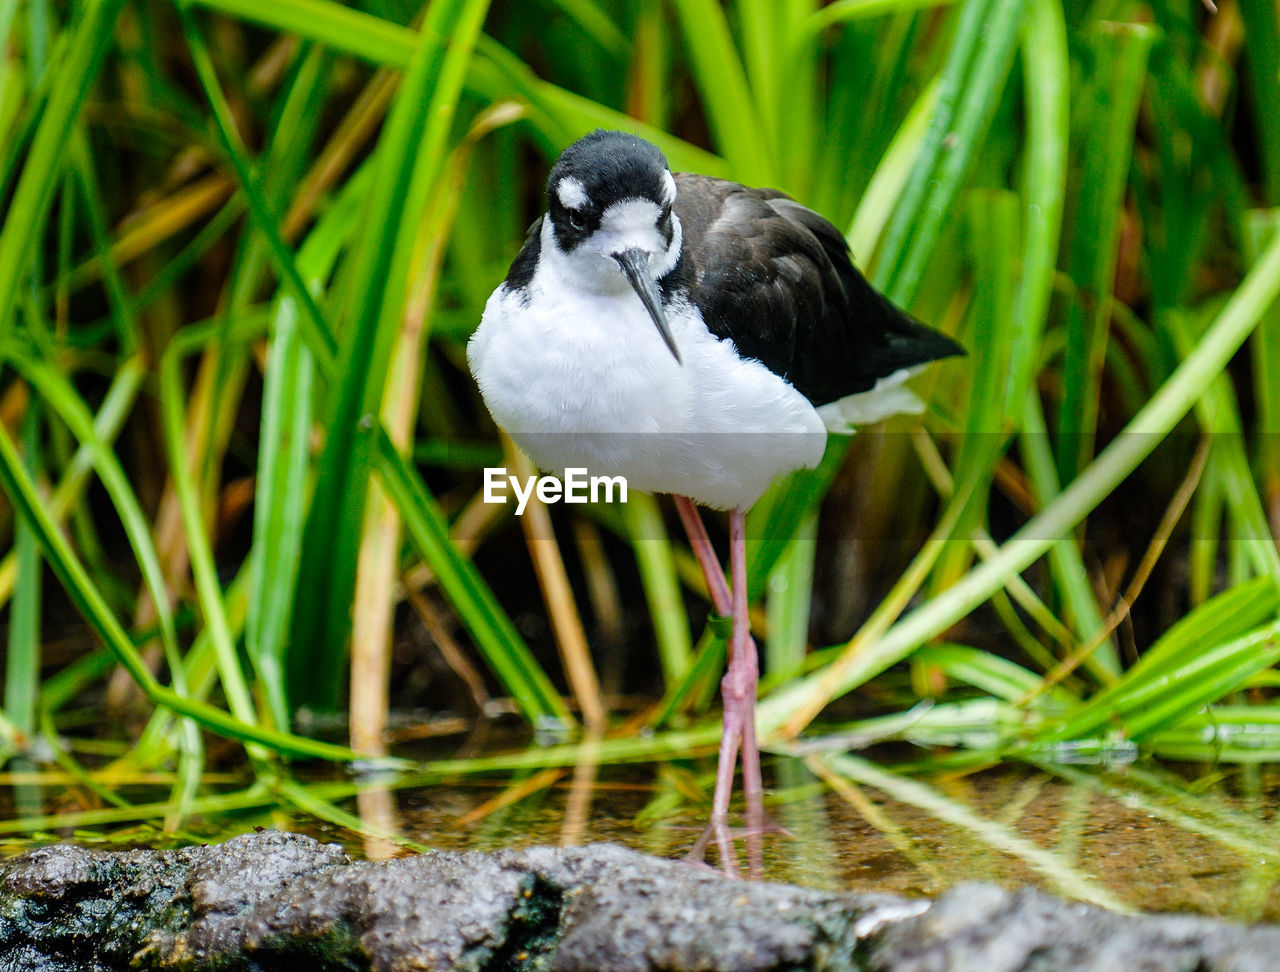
1141, 837
1113, 837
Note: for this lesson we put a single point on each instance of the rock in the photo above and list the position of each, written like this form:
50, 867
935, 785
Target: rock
269, 901
981, 928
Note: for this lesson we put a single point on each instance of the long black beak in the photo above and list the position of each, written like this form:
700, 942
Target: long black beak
635, 264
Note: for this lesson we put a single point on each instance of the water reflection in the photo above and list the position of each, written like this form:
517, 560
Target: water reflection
1137, 837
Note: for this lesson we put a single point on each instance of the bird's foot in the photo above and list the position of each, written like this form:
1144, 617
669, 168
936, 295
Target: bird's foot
724, 837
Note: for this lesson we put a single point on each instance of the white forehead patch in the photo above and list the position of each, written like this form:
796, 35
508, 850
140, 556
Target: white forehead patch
668, 188
630, 215
572, 193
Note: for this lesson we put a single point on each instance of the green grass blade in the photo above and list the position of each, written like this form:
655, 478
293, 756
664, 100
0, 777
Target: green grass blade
722, 81
279, 504
115, 408
790, 592
1120, 57
561, 115
1166, 668
993, 233
1066, 562
495, 73
1223, 733
599, 26
652, 548
964, 107
1166, 408
977, 68
412, 147
497, 638
89, 601
266, 219
91, 37
782, 66
1219, 416
199, 544
22, 662
1261, 228
844, 11
880, 200
1262, 32
57, 391
284, 452
62, 397
989, 673
333, 24
1046, 73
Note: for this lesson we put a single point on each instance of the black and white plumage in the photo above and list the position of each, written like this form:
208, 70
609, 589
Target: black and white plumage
779, 338
699, 338
775, 278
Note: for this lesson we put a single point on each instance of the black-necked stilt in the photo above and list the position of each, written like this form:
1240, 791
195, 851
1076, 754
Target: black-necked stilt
699, 338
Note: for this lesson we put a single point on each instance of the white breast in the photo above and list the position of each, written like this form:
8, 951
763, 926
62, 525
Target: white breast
584, 379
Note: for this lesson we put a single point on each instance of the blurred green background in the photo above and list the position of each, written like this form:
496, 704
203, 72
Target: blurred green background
244, 244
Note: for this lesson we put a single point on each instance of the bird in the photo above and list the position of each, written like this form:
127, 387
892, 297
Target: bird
699, 338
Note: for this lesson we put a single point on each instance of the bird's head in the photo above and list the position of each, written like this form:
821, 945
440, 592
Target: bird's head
610, 199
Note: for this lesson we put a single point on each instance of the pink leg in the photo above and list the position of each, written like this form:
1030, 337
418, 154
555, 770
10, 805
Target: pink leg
706, 555
738, 688
739, 691
731, 733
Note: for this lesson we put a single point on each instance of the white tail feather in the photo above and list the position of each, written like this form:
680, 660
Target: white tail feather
890, 396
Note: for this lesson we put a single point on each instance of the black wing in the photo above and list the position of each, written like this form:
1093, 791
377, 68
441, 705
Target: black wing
526, 261
777, 279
